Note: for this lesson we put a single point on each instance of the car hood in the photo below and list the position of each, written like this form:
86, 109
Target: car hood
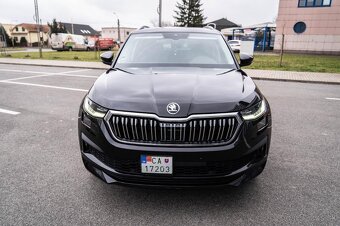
195, 93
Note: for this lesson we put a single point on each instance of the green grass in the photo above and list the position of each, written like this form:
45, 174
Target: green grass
298, 62
74, 55
291, 62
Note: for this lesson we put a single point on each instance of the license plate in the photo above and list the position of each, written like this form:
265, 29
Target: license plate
156, 164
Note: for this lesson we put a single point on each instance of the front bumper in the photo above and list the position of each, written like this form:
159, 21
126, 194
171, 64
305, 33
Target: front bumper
231, 164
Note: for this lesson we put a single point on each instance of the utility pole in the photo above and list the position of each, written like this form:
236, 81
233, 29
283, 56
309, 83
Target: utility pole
42, 35
160, 13
282, 49
118, 23
118, 26
37, 21
282, 45
72, 30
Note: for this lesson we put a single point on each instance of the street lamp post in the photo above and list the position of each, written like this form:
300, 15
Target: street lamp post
160, 13
118, 26
37, 20
41, 35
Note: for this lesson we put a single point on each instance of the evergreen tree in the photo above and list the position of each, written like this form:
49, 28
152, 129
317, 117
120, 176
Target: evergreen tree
8, 39
56, 27
189, 13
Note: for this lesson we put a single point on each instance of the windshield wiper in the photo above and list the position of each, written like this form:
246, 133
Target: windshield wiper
226, 72
118, 69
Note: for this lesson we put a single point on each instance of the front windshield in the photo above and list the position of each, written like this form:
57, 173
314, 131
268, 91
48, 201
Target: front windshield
175, 50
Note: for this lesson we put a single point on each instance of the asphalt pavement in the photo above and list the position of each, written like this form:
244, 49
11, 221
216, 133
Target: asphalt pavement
43, 181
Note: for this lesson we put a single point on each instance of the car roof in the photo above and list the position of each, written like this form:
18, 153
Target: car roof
205, 30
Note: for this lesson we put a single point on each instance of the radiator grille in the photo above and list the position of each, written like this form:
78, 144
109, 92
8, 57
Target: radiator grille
193, 131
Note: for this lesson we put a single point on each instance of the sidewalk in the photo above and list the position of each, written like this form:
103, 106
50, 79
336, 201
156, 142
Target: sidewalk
54, 63
308, 77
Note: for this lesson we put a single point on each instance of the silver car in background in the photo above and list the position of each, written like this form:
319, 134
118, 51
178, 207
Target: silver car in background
235, 45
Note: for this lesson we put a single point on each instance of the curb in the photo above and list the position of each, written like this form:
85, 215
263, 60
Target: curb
49, 65
255, 78
293, 80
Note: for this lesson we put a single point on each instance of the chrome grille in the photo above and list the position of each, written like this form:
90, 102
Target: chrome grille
198, 129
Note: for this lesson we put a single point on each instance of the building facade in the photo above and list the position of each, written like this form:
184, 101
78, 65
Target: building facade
112, 32
309, 26
30, 33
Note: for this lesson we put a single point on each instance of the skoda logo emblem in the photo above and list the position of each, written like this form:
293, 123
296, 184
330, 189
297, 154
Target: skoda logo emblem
173, 108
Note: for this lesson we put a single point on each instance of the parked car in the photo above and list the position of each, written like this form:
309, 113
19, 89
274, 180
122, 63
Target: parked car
105, 43
70, 42
171, 112
235, 45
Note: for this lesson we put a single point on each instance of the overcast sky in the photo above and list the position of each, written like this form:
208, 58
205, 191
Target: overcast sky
132, 13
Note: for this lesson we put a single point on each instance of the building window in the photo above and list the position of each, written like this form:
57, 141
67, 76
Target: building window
127, 33
16, 29
315, 3
300, 27
23, 29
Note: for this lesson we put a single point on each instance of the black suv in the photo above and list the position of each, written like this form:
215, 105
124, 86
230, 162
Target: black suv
175, 109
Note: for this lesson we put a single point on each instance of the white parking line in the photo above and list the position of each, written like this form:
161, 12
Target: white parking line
81, 76
45, 86
33, 76
332, 98
9, 112
44, 72
49, 75
22, 71
81, 70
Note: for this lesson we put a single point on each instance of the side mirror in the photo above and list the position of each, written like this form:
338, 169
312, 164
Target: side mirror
245, 59
107, 57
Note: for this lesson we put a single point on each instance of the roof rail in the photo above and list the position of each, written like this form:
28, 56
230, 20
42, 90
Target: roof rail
211, 26
143, 27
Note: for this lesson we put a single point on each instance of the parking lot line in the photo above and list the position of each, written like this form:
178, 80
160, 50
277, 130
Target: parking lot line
75, 71
332, 98
45, 73
81, 76
23, 71
15, 79
9, 112
44, 86
48, 75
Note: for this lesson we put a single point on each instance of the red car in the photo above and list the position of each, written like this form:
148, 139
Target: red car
106, 43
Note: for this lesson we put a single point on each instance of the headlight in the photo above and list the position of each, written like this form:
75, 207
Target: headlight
94, 109
255, 111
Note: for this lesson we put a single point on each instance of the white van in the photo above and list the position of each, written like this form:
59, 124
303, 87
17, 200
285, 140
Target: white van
70, 42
